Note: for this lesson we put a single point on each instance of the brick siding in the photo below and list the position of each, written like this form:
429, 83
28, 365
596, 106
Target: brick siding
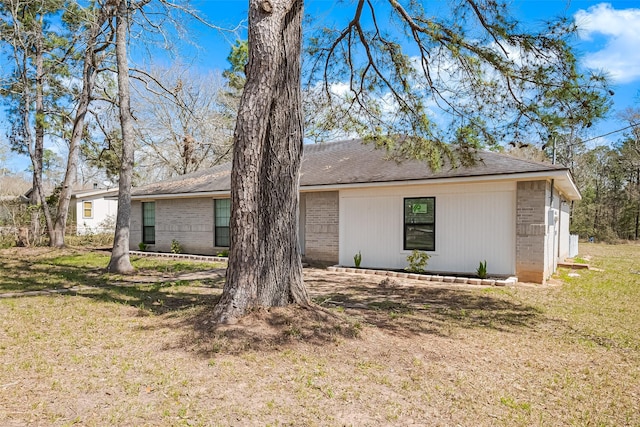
321, 226
189, 221
530, 231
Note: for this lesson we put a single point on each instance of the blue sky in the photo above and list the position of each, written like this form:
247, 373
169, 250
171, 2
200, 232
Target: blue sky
609, 40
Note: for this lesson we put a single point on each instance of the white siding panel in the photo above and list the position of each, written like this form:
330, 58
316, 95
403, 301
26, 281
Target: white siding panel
104, 214
552, 237
474, 227
373, 227
565, 238
474, 222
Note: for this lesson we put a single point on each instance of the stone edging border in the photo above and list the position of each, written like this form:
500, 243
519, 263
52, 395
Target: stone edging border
180, 256
339, 269
426, 277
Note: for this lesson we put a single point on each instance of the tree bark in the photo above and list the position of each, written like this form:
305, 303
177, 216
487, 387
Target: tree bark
38, 150
265, 268
60, 223
120, 262
89, 74
637, 225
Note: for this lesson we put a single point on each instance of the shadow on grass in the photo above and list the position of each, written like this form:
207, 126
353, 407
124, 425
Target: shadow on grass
432, 309
265, 330
344, 309
161, 298
149, 291
21, 276
345, 306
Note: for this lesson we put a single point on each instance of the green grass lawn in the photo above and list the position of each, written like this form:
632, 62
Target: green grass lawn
602, 307
141, 350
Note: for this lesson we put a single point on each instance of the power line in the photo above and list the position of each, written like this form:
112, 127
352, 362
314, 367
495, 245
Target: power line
612, 132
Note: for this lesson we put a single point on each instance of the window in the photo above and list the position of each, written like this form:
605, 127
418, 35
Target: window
222, 215
420, 223
149, 222
87, 209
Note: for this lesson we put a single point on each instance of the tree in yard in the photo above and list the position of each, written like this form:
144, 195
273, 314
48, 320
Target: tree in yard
90, 23
235, 74
266, 159
183, 121
34, 85
104, 153
44, 102
119, 261
609, 179
152, 22
473, 63
629, 149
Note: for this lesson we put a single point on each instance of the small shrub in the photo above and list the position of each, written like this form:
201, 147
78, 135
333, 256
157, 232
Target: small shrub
482, 270
143, 246
357, 259
176, 247
7, 240
417, 261
224, 253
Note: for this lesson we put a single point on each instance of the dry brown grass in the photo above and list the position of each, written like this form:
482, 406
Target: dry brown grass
142, 351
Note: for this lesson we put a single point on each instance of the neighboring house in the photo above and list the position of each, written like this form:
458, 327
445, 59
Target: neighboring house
12, 207
94, 211
513, 213
9, 204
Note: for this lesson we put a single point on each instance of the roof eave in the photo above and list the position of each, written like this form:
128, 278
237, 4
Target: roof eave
211, 194
95, 193
562, 179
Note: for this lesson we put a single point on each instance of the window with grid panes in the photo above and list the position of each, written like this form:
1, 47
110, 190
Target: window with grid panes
222, 212
149, 222
87, 209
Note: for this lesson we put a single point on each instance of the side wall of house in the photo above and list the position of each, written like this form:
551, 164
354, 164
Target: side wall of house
564, 227
320, 221
473, 223
553, 230
103, 217
188, 220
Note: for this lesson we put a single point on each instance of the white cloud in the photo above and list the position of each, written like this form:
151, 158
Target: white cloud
620, 56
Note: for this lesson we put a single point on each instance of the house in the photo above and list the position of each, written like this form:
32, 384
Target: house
94, 211
513, 213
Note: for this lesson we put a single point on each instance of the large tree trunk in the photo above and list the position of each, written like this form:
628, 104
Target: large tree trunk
60, 224
89, 74
34, 200
38, 149
120, 262
265, 269
637, 223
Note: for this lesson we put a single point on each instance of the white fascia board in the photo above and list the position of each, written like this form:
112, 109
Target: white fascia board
561, 178
568, 188
94, 193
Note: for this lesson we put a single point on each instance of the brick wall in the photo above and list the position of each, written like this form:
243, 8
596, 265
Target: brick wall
135, 225
321, 226
189, 221
531, 231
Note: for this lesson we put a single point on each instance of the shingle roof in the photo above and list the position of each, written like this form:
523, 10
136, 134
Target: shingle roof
351, 162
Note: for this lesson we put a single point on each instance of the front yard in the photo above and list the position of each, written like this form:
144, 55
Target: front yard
87, 348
